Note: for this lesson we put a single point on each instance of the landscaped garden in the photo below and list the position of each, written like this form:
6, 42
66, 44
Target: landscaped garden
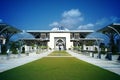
58, 68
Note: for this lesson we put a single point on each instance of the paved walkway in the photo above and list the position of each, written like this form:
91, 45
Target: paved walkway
113, 66
14, 62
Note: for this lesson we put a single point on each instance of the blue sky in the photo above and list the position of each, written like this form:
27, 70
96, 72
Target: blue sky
73, 14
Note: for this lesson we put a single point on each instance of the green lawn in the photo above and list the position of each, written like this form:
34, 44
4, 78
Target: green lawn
59, 53
58, 68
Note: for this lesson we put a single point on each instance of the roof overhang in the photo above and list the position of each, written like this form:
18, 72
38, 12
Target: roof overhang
88, 39
83, 32
33, 39
49, 31
112, 28
8, 28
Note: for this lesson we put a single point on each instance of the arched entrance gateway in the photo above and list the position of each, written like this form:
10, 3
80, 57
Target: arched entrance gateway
60, 43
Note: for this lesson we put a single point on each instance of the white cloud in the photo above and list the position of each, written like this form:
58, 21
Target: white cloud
73, 18
115, 19
72, 13
70, 19
54, 24
87, 26
70, 22
106, 21
102, 21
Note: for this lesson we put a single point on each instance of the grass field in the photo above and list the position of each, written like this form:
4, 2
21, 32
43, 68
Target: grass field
59, 53
58, 68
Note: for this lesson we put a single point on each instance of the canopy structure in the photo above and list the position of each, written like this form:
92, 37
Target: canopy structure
8, 28
7, 31
113, 28
112, 31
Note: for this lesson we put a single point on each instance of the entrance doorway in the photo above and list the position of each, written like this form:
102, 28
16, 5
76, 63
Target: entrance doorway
60, 43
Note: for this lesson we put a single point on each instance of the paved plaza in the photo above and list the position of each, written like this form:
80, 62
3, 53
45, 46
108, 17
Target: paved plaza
5, 64
14, 62
113, 66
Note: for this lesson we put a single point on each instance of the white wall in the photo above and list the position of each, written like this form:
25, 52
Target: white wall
67, 35
90, 48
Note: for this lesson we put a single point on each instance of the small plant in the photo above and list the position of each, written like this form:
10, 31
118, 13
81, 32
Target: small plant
14, 47
23, 49
96, 51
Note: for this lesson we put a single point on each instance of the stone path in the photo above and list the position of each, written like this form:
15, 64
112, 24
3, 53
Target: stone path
12, 63
113, 66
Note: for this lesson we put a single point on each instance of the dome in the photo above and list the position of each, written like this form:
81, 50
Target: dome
60, 28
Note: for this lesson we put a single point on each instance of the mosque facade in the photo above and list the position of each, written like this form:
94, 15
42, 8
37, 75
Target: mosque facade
60, 38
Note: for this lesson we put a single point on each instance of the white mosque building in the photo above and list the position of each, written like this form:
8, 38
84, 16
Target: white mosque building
60, 38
